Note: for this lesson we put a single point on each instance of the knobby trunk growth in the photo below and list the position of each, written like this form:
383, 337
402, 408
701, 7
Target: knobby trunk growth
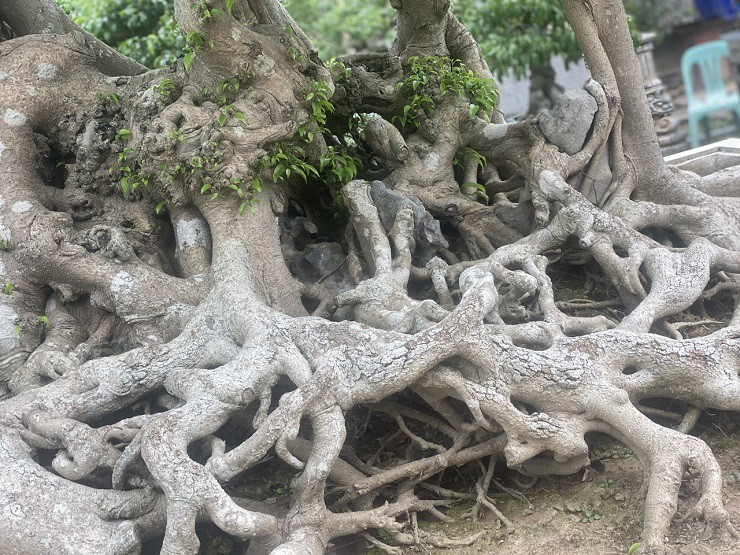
143, 316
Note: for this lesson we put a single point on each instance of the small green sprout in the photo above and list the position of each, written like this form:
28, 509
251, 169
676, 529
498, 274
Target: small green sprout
164, 87
589, 516
480, 190
228, 112
195, 42
206, 12
339, 70
283, 490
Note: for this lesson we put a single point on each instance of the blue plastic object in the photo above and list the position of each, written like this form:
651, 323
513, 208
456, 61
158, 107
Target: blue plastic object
708, 57
726, 9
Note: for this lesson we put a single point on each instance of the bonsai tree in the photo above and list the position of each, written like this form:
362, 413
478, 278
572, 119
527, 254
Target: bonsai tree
240, 255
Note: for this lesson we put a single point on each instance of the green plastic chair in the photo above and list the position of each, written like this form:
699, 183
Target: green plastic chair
708, 58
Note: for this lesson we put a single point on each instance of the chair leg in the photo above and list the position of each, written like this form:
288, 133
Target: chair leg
707, 129
693, 132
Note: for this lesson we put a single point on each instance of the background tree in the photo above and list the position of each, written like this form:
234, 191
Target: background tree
345, 26
143, 30
241, 254
660, 17
523, 37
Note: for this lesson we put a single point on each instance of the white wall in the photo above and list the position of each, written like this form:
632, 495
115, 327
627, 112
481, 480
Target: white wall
515, 94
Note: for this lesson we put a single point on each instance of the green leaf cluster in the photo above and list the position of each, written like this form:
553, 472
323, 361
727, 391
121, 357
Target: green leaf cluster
432, 77
339, 70
205, 10
468, 154
228, 112
247, 192
164, 87
589, 516
286, 160
336, 167
130, 178
318, 97
225, 92
195, 41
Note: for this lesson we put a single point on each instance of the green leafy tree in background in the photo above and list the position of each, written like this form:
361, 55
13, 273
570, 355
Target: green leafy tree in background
519, 35
145, 31
339, 27
660, 16
141, 29
523, 36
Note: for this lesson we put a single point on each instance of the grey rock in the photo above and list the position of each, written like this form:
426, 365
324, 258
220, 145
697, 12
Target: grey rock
569, 122
426, 229
318, 261
299, 232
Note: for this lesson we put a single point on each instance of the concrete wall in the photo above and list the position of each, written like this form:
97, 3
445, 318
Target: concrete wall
515, 93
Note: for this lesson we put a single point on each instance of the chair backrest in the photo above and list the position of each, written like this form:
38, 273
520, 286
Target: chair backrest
708, 57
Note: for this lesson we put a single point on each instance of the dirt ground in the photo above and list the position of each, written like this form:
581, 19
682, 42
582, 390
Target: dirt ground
601, 514
598, 512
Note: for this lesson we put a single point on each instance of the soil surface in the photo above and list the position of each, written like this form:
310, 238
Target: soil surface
597, 512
